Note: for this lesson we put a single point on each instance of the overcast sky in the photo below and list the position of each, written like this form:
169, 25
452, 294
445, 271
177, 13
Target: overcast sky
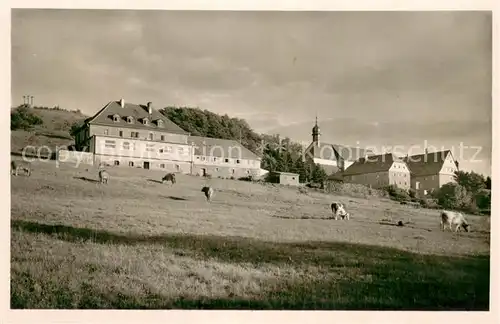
373, 78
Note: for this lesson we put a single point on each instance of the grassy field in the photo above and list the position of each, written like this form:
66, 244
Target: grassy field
137, 243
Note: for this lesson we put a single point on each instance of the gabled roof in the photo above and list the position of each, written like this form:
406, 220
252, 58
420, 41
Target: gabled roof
328, 151
427, 164
222, 148
138, 112
375, 163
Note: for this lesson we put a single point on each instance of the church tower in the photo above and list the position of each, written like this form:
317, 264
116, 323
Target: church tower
316, 133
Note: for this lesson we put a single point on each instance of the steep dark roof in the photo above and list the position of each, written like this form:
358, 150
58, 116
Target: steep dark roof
216, 147
328, 151
426, 164
138, 112
375, 163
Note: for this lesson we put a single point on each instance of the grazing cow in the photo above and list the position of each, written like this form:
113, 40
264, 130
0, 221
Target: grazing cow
15, 166
209, 192
169, 177
456, 219
103, 176
338, 209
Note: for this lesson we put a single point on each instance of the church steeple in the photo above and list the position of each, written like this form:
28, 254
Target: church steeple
316, 132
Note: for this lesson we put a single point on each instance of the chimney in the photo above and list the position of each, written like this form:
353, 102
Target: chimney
150, 107
122, 103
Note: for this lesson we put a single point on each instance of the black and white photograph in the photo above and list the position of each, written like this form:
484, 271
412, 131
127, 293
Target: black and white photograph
251, 159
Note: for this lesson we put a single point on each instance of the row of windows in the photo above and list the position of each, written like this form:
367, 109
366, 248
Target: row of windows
162, 166
149, 147
135, 135
226, 160
131, 120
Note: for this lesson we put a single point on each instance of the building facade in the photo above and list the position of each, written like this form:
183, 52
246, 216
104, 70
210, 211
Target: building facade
333, 158
132, 135
430, 171
285, 178
378, 171
223, 158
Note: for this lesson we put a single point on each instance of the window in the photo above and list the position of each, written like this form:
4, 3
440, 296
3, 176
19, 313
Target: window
197, 157
117, 162
232, 171
116, 118
203, 158
145, 121
162, 137
215, 159
160, 123
130, 120
162, 166
160, 150
238, 161
106, 131
226, 160
181, 150
150, 147
177, 167
130, 164
293, 178
120, 133
109, 144
126, 145
151, 136
134, 134
248, 172
217, 169
169, 149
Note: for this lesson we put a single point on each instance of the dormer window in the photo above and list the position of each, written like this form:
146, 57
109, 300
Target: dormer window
145, 121
116, 118
159, 122
130, 119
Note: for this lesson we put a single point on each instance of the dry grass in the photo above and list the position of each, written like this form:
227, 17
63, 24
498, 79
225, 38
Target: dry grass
136, 243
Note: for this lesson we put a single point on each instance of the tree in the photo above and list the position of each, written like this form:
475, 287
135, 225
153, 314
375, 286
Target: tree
318, 174
75, 127
487, 183
483, 199
471, 181
454, 196
23, 118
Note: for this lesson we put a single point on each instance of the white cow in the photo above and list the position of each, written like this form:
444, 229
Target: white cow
456, 219
103, 176
338, 209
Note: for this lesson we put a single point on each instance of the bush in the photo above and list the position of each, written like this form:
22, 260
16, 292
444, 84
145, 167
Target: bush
483, 199
396, 193
454, 196
247, 178
429, 203
22, 118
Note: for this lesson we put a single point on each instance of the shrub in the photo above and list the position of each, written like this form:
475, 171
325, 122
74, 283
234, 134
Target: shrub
22, 118
454, 196
483, 199
396, 193
429, 203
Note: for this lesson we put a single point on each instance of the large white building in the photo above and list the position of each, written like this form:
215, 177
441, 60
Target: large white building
132, 135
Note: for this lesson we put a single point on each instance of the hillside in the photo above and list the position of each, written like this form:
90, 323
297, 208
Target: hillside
54, 130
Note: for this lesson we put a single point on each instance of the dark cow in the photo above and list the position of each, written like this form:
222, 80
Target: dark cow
169, 177
338, 209
209, 192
